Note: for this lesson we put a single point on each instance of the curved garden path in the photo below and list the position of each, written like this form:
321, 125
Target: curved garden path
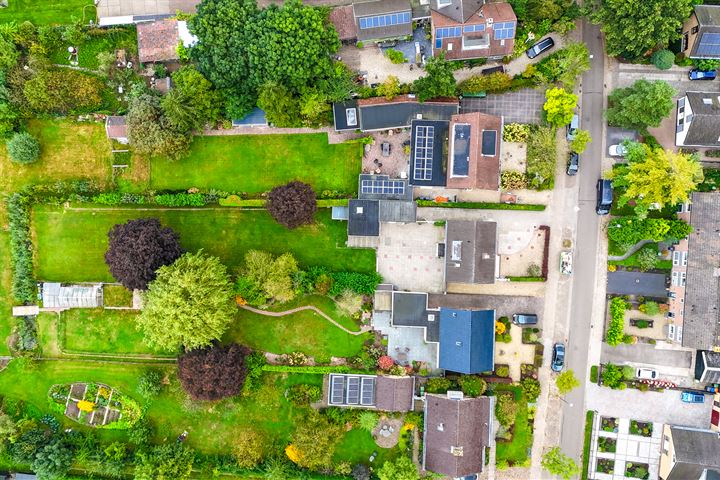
631, 251
362, 330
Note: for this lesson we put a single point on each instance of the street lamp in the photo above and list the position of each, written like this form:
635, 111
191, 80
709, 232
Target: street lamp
561, 398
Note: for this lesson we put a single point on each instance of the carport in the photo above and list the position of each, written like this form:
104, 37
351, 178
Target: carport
637, 283
522, 106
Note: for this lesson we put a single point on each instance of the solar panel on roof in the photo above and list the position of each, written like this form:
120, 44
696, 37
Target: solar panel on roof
353, 391
367, 391
423, 154
337, 390
504, 30
383, 187
384, 20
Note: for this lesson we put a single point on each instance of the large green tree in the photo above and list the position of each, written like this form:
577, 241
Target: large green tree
190, 303
315, 439
150, 132
641, 105
439, 81
192, 102
654, 178
559, 106
557, 463
632, 27
171, 461
53, 460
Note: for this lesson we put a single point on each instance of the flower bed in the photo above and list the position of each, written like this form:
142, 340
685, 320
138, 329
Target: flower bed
637, 470
607, 444
95, 405
609, 424
644, 429
605, 465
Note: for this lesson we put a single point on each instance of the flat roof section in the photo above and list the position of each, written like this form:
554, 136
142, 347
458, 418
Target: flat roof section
427, 165
461, 150
364, 218
346, 116
410, 310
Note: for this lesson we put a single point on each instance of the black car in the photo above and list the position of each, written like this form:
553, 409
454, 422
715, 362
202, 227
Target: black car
573, 164
604, 197
524, 319
558, 357
491, 70
540, 47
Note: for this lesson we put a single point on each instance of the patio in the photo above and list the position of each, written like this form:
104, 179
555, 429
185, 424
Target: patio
373, 160
406, 344
629, 448
515, 353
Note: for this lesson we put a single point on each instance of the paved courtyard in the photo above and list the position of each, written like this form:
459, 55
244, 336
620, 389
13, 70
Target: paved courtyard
515, 353
628, 448
407, 256
646, 354
410, 342
522, 106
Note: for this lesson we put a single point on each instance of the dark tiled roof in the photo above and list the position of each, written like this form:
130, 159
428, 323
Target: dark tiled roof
701, 329
364, 218
343, 20
394, 394
458, 10
439, 152
467, 340
380, 114
696, 447
379, 7
470, 250
708, 15
410, 310
456, 434
704, 128
342, 111
158, 41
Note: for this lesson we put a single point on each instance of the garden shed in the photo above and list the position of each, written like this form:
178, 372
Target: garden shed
58, 295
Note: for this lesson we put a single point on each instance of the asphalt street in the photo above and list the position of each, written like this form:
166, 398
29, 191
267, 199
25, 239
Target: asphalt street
586, 245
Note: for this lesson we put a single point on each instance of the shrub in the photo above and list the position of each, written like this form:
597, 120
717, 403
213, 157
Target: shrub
472, 385
706, 64
150, 383
213, 373
495, 83
295, 359
482, 205
513, 180
516, 132
541, 158
647, 259
663, 59
615, 331
628, 372
531, 387
249, 448
506, 409
349, 302
293, 204
21, 248
385, 362
642, 324
612, 376
368, 420
502, 371
23, 148
438, 385
395, 56
648, 308
180, 200
361, 283
302, 394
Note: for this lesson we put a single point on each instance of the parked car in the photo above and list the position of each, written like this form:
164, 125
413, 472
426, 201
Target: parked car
692, 397
573, 164
566, 263
604, 197
696, 74
540, 47
524, 319
646, 373
558, 357
491, 70
386, 149
617, 150
573, 127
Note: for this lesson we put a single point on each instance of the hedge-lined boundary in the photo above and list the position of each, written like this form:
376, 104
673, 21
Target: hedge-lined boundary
482, 205
323, 369
546, 251
21, 248
260, 203
526, 279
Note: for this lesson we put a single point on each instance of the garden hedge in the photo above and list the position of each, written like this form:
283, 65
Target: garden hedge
482, 205
323, 369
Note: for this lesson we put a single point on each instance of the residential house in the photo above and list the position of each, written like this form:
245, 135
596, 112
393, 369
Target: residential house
701, 319
707, 366
678, 275
689, 454
467, 340
382, 19
116, 129
471, 252
122, 12
466, 29
715, 414
700, 36
385, 393
378, 113
698, 120
457, 430
463, 152
158, 41
343, 19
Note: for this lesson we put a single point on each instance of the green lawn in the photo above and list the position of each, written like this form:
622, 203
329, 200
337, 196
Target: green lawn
43, 12
103, 331
589, 417
6, 319
325, 304
257, 163
106, 40
71, 244
304, 331
632, 260
516, 450
358, 445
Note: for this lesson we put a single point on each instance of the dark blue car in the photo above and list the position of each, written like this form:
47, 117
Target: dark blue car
558, 357
696, 74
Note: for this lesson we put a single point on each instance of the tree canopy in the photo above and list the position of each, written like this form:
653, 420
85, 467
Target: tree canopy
53, 460
633, 28
266, 278
149, 130
566, 382
654, 178
171, 461
190, 303
439, 81
401, 468
214, 372
314, 440
641, 105
559, 106
192, 102
292, 204
136, 249
557, 463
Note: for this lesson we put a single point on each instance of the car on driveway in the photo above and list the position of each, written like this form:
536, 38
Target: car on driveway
692, 397
523, 319
573, 164
558, 357
697, 74
617, 150
646, 373
540, 47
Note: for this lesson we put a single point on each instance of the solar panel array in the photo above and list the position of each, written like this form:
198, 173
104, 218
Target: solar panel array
424, 137
448, 32
352, 390
385, 20
384, 187
474, 28
709, 44
504, 30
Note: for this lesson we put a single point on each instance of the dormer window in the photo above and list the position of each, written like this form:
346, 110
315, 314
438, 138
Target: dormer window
443, 3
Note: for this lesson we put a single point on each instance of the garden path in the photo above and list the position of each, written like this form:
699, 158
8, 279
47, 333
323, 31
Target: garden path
362, 330
631, 251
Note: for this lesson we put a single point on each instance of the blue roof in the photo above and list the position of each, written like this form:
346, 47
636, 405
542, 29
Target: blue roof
256, 117
467, 340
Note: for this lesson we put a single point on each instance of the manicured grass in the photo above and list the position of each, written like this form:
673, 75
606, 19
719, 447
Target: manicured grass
103, 331
6, 319
516, 450
101, 40
71, 244
589, 417
45, 12
68, 151
304, 331
257, 163
326, 304
358, 445
632, 260
117, 296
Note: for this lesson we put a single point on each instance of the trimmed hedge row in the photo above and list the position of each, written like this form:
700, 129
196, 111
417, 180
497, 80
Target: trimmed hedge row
323, 369
482, 205
235, 201
21, 248
526, 279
